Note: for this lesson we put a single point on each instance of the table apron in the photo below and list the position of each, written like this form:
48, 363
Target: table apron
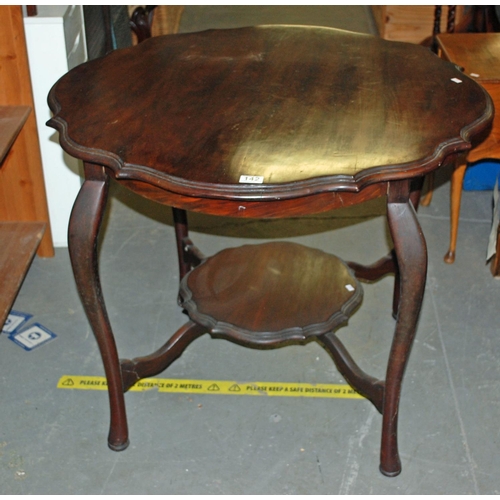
268, 209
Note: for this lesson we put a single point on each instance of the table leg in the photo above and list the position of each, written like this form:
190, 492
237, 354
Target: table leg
379, 269
136, 369
188, 254
495, 261
388, 264
84, 227
366, 385
426, 200
411, 252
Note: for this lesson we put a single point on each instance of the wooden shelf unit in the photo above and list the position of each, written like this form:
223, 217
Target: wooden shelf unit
18, 240
24, 218
18, 244
22, 186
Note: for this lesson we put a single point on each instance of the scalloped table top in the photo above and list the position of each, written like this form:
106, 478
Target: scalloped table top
291, 107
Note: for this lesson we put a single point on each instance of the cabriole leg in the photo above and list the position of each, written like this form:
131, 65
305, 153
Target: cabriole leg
84, 227
411, 252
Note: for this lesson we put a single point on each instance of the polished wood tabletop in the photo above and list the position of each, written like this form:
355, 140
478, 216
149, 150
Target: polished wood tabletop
303, 109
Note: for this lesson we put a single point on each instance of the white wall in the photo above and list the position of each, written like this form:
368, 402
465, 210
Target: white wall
55, 41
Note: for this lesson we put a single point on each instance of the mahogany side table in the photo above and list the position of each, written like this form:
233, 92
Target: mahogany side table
268, 122
479, 56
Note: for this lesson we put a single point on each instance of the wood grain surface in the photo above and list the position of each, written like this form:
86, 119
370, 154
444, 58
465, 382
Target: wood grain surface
307, 109
18, 244
12, 119
270, 292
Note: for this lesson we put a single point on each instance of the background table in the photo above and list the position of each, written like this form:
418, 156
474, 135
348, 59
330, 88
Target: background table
479, 56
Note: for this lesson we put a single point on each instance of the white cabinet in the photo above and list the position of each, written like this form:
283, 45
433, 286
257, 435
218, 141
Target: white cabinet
55, 40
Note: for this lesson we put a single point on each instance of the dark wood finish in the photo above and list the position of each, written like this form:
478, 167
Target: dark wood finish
476, 19
368, 386
181, 237
84, 226
450, 26
322, 133
495, 261
244, 294
384, 266
411, 253
154, 20
255, 208
22, 185
18, 244
188, 254
479, 56
109, 42
328, 118
432, 43
141, 22
479, 19
451, 19
12, 119
437, 20
149, 366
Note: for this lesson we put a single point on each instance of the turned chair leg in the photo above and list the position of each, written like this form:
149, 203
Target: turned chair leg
457, 181
426, 200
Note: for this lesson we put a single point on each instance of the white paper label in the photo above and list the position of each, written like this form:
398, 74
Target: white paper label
251, 179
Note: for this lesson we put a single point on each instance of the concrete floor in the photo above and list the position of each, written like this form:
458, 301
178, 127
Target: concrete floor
53, 441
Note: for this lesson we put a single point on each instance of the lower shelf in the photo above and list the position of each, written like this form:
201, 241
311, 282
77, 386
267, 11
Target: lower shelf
270, 293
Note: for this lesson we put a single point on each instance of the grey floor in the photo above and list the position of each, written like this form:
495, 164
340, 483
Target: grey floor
53, 441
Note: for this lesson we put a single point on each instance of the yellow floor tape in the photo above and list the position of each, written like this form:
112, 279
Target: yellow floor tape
227, 387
